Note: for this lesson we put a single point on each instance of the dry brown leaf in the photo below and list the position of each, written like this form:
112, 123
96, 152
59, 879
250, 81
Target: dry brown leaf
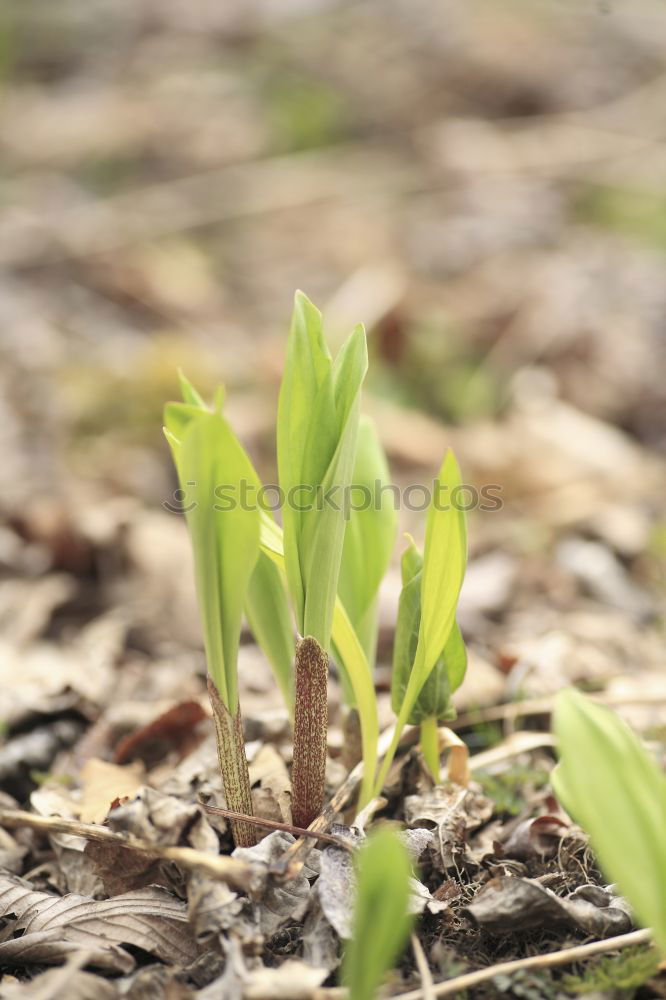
537, 837
69, 981
103, 783
54, 927
293, 980
457, 765
174, 729
73, 870
507, 905
278, 904
156, 819
451, 812
336, 887
273, 798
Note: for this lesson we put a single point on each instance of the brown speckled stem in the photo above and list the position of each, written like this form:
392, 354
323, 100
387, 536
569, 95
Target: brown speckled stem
233, 765
308, 774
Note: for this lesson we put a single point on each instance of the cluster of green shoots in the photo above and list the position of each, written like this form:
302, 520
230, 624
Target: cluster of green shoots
309, 592
309, 589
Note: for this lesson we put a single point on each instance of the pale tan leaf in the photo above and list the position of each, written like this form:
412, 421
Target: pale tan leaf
102, 783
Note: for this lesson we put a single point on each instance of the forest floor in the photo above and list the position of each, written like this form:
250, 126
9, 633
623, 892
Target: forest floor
170, 176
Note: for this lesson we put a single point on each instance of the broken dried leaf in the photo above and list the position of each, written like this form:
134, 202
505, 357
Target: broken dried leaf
293, 980
53, 927
154, 818
102, 783
278, 903
173, 729
535, 838
507, 905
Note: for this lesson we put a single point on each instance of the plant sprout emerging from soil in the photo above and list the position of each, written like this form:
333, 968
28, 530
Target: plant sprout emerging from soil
430, 659
381, 921
612, 786
317, 427
226, 548
324, 567
433, 704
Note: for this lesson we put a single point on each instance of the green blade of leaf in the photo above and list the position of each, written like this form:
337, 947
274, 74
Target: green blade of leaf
444, 563
189, 393
369, 537
445, 560
317, 424
307, 366
178, 416
323, 531
269, 615
225, 542
448, 672
358, 677
614, 789
381, 919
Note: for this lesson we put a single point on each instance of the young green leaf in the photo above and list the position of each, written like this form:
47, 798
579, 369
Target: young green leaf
269, 615
369, 537
189, 393
317, 426
225, 542
434, 699
616, 791
381, 919
444, 563
267, 605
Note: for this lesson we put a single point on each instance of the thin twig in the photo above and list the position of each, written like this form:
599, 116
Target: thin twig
519, 742
427, 985
272, 824
470, 979
563, 957
544, 706
233, 871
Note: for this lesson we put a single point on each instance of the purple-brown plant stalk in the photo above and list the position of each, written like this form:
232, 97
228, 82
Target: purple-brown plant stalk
233, 765
308, 776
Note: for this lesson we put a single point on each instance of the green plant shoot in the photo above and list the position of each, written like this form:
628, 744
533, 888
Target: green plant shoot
317, 426
266, 604
369, 538
444, 563
225, 546
612, 786
318, 416
381, 919
433, 704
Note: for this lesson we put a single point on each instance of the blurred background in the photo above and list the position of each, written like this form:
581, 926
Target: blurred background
481, 183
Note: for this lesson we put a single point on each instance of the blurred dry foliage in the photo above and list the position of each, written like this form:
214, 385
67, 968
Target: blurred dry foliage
480, 183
